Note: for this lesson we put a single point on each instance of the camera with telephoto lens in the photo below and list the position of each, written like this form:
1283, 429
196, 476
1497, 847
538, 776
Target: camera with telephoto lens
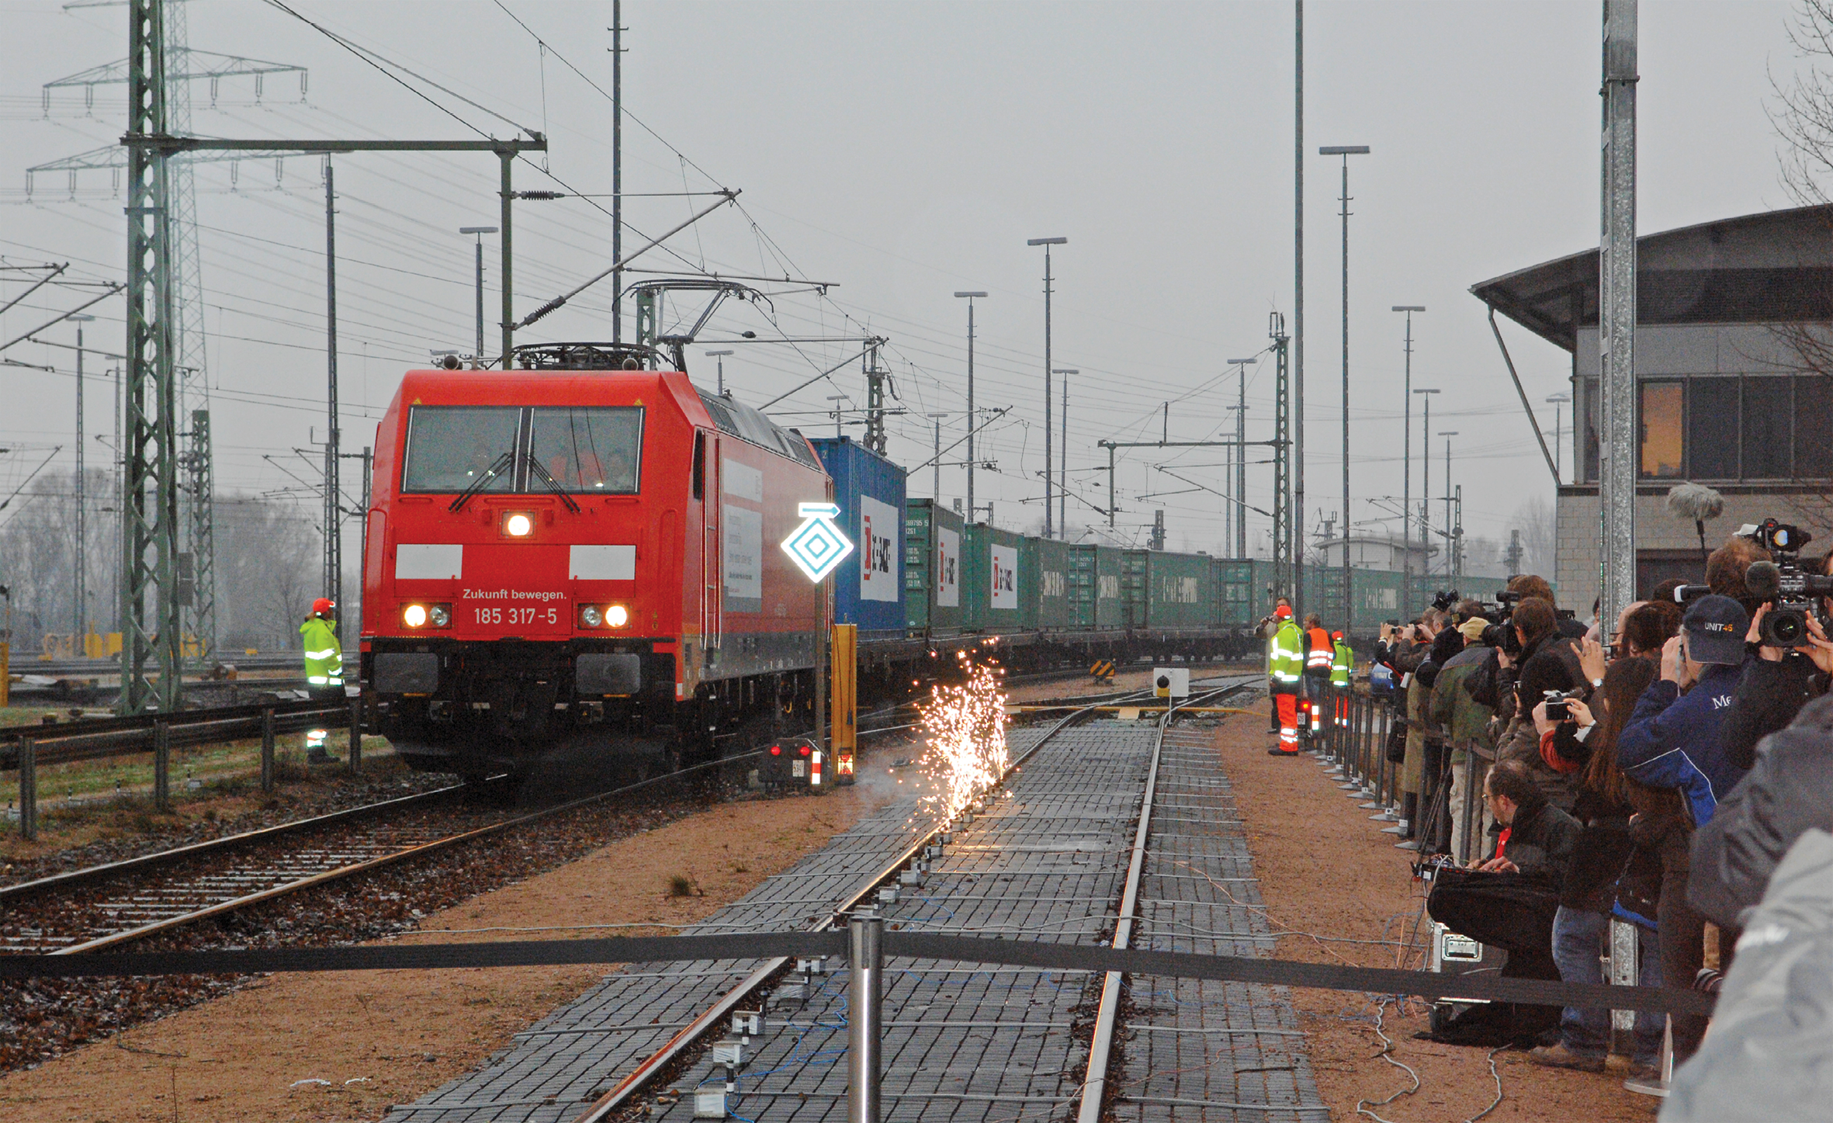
1446, 600
1789, 589
1501, 631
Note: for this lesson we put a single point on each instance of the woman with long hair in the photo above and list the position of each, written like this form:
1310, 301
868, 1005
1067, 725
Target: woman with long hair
1584, 745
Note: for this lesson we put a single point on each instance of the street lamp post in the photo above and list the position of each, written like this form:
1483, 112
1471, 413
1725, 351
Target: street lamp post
79, 612
1406, 468
1450, 556
1049, 492
1063, 459
970, 297
1345, 151
720, 357
1558, 402
480, 231
1425, 485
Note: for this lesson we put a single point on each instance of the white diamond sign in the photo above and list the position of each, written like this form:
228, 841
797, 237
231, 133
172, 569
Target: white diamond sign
817, 546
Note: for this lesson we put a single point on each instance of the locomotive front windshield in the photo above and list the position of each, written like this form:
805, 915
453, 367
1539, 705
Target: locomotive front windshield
578, 449
451, 448
589, 449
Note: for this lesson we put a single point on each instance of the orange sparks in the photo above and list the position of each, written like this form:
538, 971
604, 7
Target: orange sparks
966, 729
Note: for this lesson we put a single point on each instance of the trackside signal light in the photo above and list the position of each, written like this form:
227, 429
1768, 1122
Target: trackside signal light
776, 750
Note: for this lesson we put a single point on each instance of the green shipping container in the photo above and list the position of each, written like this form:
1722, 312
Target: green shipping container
932, 568
1082, 586
1180, 591
1044, 573
991, 590
1233, 582
1110, 597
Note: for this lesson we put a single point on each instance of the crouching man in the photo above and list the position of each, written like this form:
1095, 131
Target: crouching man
1507, 899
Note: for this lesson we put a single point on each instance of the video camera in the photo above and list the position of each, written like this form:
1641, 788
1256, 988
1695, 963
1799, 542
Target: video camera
1790, 590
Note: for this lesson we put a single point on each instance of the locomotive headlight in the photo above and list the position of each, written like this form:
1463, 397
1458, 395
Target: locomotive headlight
414, 616
590, 616
518, 524
440, 615
616, 616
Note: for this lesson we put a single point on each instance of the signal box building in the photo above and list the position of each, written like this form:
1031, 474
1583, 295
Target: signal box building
1734, 392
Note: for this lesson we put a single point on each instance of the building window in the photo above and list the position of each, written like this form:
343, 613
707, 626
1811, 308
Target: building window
1814, 427
1661, 430
1712, 428
1767, 413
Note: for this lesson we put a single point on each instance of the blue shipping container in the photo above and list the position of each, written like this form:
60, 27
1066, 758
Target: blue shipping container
869, 586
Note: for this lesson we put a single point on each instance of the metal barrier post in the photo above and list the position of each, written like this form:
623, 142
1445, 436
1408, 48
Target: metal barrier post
267, 749
28, 789
1625, 962
866, 969
162, 767
356, 735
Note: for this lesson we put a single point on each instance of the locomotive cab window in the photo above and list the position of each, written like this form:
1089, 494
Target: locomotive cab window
452, 448
591, 449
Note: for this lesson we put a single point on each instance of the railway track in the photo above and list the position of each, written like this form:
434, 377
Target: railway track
105, 906
675, 1056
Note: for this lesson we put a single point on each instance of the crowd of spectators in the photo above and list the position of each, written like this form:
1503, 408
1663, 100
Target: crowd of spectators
1654, 770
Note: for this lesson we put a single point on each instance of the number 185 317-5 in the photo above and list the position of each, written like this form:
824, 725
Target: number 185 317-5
513, 616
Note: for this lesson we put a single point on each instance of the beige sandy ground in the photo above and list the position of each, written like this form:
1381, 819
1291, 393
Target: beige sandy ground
385, 1037
1325, 869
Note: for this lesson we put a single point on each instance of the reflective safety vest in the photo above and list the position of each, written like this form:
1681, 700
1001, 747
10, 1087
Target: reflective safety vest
324, 658
1286, 657
1344, 663
1317, 650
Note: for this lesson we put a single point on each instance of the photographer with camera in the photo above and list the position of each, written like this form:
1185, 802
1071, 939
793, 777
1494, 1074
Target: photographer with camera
1586, 736
1673, 741
1548, 662
1789, 659
1404, 650
1509, 900
1466, 723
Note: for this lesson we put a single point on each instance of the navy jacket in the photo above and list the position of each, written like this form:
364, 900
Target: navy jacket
1672, 740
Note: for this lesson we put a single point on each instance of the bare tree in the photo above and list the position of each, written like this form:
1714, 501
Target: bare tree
1802, 115
1538, 525
266, 571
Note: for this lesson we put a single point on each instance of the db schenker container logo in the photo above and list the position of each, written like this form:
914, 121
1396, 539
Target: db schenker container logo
817, 546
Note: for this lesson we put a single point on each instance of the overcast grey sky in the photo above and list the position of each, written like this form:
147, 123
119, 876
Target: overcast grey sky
902, 152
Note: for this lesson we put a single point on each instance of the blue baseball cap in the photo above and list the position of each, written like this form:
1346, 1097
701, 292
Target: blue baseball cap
1715, 628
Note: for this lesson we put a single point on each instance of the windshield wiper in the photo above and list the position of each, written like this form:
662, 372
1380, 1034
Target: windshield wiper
553, 485
490, 474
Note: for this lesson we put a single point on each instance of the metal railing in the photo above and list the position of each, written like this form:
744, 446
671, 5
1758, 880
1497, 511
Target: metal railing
28, 748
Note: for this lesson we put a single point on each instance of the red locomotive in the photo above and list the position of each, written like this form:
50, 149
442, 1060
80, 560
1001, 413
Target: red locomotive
581, 555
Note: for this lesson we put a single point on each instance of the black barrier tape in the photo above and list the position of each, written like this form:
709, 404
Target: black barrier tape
761, 945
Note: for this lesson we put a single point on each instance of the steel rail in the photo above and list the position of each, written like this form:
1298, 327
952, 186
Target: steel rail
647, 1069
225, 843
1101, 1044
417, 850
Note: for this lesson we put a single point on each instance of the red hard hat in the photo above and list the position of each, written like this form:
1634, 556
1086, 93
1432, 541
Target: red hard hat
1336, 635
323, 605
1282, 612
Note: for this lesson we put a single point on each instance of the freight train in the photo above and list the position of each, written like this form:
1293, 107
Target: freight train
576, 553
